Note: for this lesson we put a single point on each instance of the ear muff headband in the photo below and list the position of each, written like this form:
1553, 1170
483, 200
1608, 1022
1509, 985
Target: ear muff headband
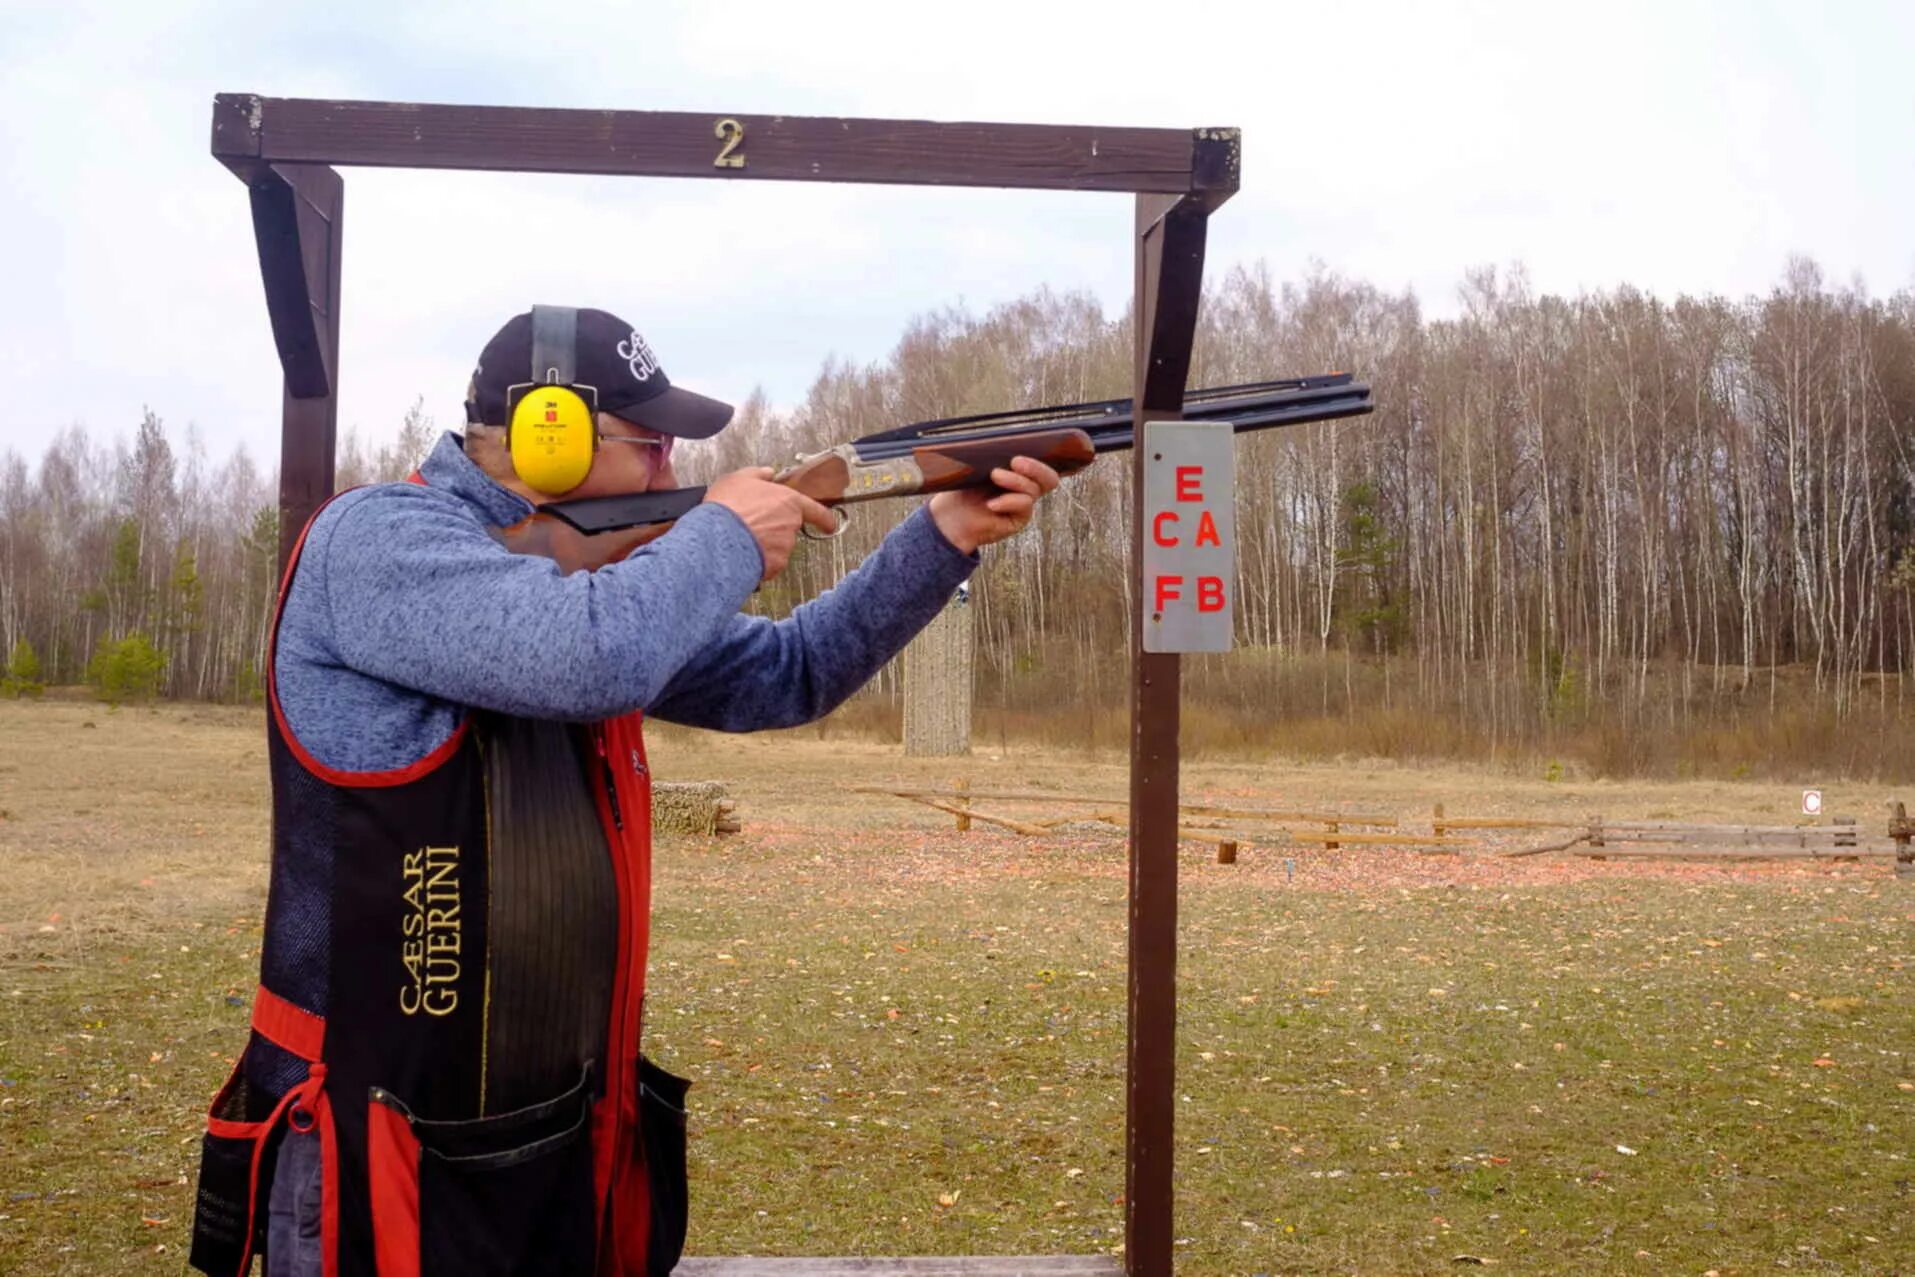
551, 428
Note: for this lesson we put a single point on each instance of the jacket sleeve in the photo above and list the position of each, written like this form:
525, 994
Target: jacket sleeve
417, 593
756, 673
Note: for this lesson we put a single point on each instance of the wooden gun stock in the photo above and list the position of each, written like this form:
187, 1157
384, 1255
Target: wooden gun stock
840, 475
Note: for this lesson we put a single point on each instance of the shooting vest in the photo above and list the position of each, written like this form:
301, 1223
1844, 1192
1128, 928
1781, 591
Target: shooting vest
451, 986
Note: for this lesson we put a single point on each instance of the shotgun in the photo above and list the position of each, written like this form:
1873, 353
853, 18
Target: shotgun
961, 452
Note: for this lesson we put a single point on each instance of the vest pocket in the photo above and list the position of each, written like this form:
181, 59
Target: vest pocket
237, 1155
496, 1196
661, 1132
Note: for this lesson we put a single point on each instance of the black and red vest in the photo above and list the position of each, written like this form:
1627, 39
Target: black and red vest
451, 987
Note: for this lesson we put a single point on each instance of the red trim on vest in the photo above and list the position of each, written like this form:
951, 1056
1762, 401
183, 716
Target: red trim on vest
621, 1182
328, 1186
392, 1171
288, 1027
333, 775
259, 1134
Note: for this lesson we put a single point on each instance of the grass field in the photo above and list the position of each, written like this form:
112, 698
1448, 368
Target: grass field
909, 1041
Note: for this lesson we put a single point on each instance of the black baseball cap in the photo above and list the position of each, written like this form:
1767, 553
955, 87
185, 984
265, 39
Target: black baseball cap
613, 359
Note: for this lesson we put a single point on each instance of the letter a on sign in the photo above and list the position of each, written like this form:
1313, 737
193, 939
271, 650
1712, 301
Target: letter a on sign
1190, 552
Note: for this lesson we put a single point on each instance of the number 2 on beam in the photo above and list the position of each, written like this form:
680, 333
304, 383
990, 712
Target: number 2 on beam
732, 153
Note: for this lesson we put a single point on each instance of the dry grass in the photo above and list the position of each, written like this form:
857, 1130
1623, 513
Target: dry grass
909, 1041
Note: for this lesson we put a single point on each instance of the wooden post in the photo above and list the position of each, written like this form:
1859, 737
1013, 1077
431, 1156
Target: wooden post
1178, 177
1169, 282
964, 804
937, 686
1226, 853
1436, 821
1331, 827
1903, 832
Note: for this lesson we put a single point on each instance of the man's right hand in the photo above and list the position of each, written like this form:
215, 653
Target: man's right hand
772, 512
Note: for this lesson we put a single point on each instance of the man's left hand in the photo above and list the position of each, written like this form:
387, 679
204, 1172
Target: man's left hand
973, 517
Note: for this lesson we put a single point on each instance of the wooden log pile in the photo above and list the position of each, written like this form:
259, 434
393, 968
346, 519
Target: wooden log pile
703, 807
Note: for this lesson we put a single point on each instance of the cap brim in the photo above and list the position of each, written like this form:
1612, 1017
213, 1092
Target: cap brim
678, 412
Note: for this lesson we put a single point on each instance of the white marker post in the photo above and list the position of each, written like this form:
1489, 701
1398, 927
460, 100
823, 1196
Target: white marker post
1190, 536
1811, 802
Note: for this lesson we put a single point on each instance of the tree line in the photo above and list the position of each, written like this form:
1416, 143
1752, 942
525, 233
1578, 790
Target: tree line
1610, 512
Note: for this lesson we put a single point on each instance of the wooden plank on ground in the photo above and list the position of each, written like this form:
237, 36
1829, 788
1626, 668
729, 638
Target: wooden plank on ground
1380, 840
1370, 819
913, 1266
1504, 822
1696, 829
997, 795
1866, 851
1015, 826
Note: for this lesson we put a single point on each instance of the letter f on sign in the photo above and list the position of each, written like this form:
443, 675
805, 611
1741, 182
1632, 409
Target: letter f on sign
1169, 588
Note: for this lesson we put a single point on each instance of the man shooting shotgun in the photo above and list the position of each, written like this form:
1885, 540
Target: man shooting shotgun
443, 1074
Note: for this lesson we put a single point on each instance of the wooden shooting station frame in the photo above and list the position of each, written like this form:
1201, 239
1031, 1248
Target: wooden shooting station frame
284, 149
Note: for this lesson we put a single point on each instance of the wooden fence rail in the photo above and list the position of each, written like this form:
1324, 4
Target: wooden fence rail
1227, 826
958, 803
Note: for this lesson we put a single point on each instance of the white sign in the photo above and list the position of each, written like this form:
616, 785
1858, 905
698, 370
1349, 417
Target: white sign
1811, 802
1190, 536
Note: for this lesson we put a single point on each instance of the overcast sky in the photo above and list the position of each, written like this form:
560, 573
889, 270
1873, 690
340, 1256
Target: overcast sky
1676, 146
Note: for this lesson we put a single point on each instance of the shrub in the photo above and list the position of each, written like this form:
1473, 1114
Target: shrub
128, 669
22, 675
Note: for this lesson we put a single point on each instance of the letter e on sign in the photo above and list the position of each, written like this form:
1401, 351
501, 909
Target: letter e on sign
1190, 556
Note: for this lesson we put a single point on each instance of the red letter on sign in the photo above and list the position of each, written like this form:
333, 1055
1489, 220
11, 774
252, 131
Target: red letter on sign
1168, 589
1210, 594
1207, 531
1157, 528
1189, 483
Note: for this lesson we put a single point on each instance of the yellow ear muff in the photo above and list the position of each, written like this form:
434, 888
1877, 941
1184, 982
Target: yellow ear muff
552, 436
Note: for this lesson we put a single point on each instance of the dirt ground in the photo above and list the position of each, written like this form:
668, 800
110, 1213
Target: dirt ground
910, 1041
114, 819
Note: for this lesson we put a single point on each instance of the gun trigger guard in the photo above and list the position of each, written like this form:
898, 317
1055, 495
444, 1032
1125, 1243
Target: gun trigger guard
844, 521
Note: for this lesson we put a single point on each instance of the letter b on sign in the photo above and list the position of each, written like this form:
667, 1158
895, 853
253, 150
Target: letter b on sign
1190, 542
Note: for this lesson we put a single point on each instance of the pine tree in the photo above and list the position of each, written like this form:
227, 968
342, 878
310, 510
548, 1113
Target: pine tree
127, 669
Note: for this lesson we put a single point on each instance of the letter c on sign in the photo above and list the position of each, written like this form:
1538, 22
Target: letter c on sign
1157, 528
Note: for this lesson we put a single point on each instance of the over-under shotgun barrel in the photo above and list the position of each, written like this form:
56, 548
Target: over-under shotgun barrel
961, 452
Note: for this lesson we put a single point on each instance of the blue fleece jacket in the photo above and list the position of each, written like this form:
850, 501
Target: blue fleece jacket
405, 611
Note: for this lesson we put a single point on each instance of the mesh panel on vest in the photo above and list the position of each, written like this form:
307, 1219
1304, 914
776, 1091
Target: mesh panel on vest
299, 910
270, 1072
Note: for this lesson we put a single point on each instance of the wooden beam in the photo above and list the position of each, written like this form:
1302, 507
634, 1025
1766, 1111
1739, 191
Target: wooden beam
1441, 823
1195, 809
298, 212
1867, 851
1693, 829
294, 212
1015, 826
250, 129
1381, 840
